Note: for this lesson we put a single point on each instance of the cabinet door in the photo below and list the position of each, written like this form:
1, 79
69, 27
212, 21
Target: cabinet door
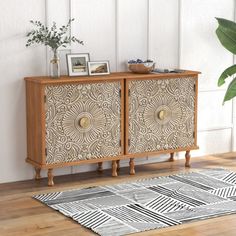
161, 114
83, 121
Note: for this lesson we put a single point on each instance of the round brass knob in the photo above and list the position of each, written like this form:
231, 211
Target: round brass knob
84, 122
162, 114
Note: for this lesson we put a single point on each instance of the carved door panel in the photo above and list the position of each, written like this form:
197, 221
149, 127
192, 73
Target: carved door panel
161, 114
83, 121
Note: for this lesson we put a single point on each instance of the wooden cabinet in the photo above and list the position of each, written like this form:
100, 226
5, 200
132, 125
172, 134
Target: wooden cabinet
77, 120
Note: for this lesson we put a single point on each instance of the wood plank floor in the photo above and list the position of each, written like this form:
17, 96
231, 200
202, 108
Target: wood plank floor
20, 215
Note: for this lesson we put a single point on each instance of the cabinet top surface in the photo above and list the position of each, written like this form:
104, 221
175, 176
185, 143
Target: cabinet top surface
112, 76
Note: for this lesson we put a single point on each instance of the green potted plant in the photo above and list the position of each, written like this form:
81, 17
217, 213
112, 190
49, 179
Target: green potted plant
54, 38
226, 33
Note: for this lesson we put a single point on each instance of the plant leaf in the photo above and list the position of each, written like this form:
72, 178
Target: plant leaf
227, 72
231, 91
226, 33
227, 23
52, 36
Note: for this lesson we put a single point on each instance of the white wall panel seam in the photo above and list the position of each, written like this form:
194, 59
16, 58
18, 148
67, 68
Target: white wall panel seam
46, 48
179, 33
216, 128
233, 100
117, 33
148, 29
70, 16
211, 90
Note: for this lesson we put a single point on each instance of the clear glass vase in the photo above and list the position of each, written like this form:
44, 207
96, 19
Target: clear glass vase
55, 65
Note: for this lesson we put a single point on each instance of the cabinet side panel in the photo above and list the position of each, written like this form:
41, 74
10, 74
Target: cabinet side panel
35, 128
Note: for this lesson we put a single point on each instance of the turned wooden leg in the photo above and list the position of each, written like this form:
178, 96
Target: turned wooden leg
118, 165
100, 169
172, 156
37, 173
114, 168
50, 177
187, 158
131, 167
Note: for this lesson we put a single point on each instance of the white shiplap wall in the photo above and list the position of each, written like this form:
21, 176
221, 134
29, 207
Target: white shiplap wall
175, 33
200, 50
164, 32
16, 61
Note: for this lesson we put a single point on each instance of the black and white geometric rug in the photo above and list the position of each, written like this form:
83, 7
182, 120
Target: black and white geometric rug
148, 203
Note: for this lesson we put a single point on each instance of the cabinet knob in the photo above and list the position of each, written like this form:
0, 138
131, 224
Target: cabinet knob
84, 122
162, 114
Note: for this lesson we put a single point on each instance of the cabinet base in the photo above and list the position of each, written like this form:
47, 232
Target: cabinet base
115, 167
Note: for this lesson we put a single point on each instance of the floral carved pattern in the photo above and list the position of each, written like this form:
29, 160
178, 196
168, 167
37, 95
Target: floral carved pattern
161, 114
82, 121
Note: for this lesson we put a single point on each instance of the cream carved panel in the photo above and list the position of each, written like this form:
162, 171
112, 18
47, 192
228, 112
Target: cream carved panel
161, 114
82, 121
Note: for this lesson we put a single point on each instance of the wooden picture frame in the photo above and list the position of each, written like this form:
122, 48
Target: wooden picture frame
98, 67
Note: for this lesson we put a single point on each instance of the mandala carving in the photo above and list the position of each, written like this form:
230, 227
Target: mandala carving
161, 114
82, 121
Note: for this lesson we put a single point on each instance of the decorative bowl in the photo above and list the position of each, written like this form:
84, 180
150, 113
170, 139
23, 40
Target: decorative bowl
141, 68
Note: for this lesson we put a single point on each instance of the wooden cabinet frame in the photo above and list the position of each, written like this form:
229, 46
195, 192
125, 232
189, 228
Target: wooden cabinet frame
36, 118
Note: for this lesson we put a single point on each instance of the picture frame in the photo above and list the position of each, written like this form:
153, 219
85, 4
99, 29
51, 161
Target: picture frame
77, 64
98, 67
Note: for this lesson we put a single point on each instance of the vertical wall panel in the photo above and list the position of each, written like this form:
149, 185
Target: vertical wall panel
200, 48
234, 127
234, 102
95, 25
211, 113
213, 142
17, 62
59, 12
132, 31
164, 32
